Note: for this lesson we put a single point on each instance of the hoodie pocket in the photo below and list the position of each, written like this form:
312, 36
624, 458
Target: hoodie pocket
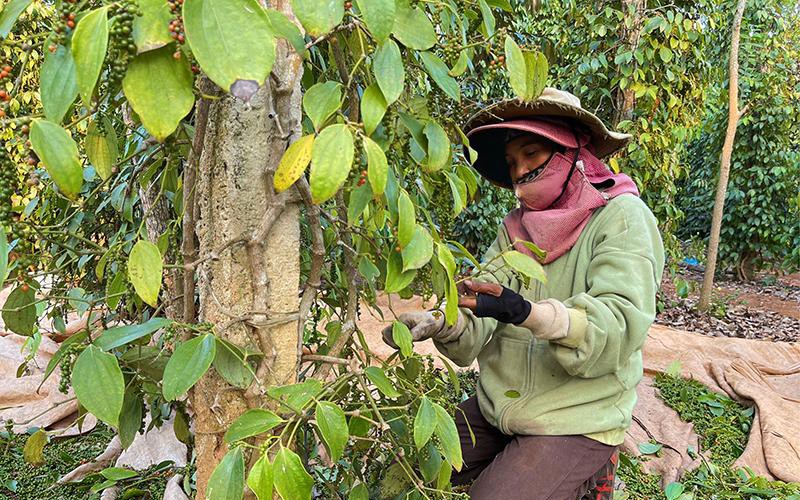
504, 371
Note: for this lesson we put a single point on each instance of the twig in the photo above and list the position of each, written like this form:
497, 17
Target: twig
317, 261
188, 244
325, 359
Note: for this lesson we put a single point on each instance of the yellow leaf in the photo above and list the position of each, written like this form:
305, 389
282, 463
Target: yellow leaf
294, 163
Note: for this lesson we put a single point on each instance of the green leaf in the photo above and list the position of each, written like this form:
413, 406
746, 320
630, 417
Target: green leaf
525, 265
286, 29
443, 479
359, 492
130, 417
424, 422
98, 384
296, 396
19, 311
377, 166
536, 68
33, 451
461, 64
438, 146
117, 473
413, 28
321, 101
373, 107
665, 54
446, 259
673, 491
144, 271
291, 479
59, 153
389, 71
359, 199
538, 252
406, 218
516, 66
115, 290
331, 160
488, 17
419, 250
440, 73
396, 278
101, 149
89, 43
402, 338
9, 15
332, 425
293, 163
231, 362
150, 29
379, 17
227, 480
467, 175
447, 433
431, 465
159, 89
261, 478
58, 84
318, 16
233, 28
121, 335
180, 427
251, 423
3, 256
187, 364
649, 448
451, 307
459, 190
376, 375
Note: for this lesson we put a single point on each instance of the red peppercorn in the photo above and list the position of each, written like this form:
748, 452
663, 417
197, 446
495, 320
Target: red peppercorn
71, 24
7, 68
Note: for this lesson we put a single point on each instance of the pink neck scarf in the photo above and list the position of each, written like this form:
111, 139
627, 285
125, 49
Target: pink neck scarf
552, 219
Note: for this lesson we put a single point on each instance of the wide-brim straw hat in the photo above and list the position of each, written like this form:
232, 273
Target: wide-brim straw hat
486, 130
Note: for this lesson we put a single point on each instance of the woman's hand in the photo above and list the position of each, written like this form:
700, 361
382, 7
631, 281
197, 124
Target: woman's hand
491, 300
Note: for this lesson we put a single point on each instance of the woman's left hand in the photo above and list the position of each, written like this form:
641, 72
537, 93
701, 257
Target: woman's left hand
495, 301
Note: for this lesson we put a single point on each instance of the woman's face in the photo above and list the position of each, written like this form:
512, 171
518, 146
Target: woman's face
526, 155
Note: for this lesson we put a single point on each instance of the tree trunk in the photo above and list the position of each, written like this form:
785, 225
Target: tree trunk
625, 98
725, 161
248, 272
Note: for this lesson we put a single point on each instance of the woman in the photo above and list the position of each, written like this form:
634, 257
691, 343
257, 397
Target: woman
559, 361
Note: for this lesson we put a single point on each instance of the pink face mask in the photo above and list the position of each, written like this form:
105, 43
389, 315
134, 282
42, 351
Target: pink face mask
546, 187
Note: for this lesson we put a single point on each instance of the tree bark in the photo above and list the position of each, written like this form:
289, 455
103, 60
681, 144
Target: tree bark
725, 161
626, 98
249, 238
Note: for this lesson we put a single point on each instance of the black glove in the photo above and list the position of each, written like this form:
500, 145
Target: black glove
510, 307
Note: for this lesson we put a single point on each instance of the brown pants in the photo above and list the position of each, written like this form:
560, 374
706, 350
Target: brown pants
531, 467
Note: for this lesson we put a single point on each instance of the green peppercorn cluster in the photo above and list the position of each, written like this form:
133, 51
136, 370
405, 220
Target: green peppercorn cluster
451, 47
423, 283
65, 365
121, 45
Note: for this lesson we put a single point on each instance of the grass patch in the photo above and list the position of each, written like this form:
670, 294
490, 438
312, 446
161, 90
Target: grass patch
723, 426
21, 481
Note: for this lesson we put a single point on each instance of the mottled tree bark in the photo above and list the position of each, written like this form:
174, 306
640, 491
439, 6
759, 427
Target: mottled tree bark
734, 114
248, 253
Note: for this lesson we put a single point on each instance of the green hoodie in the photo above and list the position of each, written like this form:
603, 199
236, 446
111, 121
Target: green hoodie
584, 383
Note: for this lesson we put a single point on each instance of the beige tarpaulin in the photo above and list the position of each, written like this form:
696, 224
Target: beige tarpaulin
766, 374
